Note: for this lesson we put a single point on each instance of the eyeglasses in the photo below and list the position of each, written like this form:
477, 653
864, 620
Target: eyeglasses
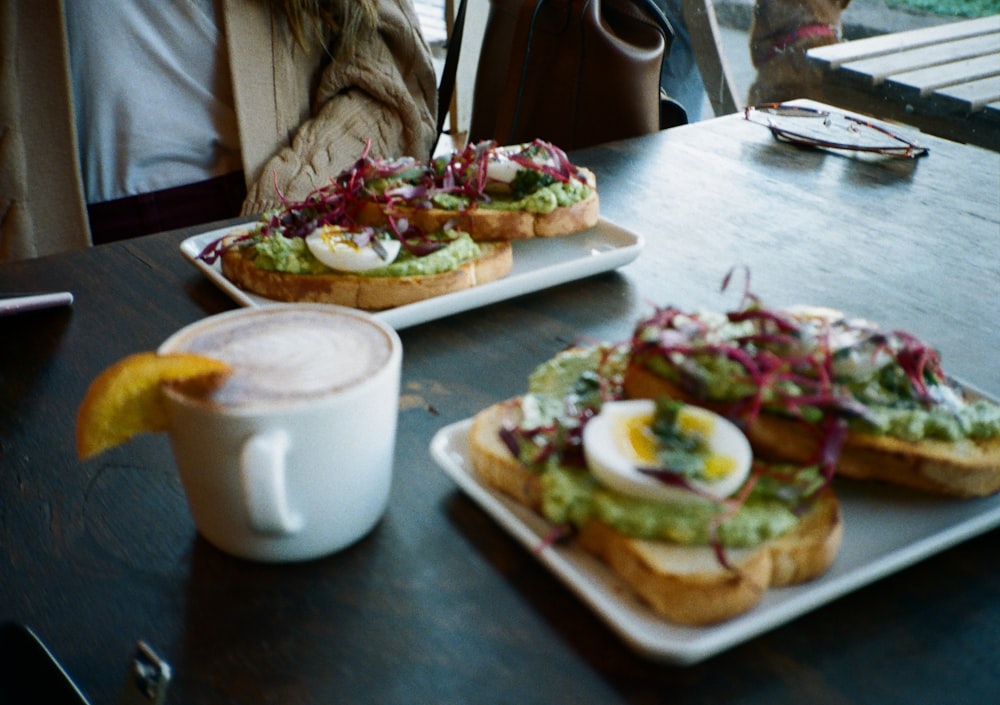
811, 127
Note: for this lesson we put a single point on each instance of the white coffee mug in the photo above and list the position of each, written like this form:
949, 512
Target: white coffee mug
291, 457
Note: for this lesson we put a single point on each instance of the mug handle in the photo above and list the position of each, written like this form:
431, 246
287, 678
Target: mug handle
262, 474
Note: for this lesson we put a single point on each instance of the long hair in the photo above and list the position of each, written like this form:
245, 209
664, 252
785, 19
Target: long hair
341, 24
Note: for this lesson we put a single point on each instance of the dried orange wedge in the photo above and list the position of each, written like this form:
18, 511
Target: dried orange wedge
127, 398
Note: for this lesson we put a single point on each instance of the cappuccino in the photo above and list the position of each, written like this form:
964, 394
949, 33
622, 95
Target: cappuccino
301, 354
291, 457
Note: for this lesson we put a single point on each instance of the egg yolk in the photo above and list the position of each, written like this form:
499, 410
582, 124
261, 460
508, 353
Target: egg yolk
642, 443
718, 466
333, 234
641, 440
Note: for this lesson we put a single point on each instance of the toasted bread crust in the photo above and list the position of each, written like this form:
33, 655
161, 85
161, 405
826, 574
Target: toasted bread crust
963, 469
686, 584
806, 552
493, 462
486, 224
368, 293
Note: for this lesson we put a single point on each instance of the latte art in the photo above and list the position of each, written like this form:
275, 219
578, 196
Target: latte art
291, 457
297, 355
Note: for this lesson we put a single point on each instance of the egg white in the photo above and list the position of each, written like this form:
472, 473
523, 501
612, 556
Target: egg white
845, 338
615, 464
502, 168
335, 248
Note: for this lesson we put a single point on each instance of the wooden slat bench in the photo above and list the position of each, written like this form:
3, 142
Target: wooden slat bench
944, 80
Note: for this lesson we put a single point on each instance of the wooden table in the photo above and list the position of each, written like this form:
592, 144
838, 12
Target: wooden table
438, 604
944, 80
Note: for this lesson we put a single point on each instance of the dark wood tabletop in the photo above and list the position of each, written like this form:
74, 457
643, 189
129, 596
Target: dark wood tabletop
438, 604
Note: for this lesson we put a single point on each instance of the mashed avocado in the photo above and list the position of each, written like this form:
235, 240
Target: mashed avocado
545, 200
561, 374
890, 407
277, 253
976, 420
572, 495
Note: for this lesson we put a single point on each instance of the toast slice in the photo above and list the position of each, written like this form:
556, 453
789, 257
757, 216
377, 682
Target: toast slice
686, 584
966, 468
486, 224
369, 293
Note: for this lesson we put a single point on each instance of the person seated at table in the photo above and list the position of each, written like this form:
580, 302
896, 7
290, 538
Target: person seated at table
136, 117
781, 33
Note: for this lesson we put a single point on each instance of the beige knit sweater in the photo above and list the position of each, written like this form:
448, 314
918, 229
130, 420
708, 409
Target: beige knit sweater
301, 119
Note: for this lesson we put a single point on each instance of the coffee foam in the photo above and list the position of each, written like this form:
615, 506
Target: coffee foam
294, 354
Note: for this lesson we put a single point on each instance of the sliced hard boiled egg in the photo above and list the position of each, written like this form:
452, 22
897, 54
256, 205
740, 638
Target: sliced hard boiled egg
502, 168
347, 251
857, 354
619, 441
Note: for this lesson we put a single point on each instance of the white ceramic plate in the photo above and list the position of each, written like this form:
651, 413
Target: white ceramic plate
885, 530
538, 264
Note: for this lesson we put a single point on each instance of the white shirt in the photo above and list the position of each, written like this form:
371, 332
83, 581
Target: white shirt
153, 95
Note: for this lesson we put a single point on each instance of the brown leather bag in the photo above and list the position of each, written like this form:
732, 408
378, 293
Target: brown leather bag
572, 72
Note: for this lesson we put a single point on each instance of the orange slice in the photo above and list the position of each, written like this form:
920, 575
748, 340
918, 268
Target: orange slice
127, 398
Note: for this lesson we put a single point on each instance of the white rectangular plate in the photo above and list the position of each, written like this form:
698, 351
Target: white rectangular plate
885, 530
538, 264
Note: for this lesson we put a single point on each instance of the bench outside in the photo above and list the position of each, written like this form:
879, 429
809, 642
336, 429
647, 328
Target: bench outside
943, 80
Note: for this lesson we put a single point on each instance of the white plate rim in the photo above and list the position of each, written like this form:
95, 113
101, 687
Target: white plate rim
949, 522
539, 263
